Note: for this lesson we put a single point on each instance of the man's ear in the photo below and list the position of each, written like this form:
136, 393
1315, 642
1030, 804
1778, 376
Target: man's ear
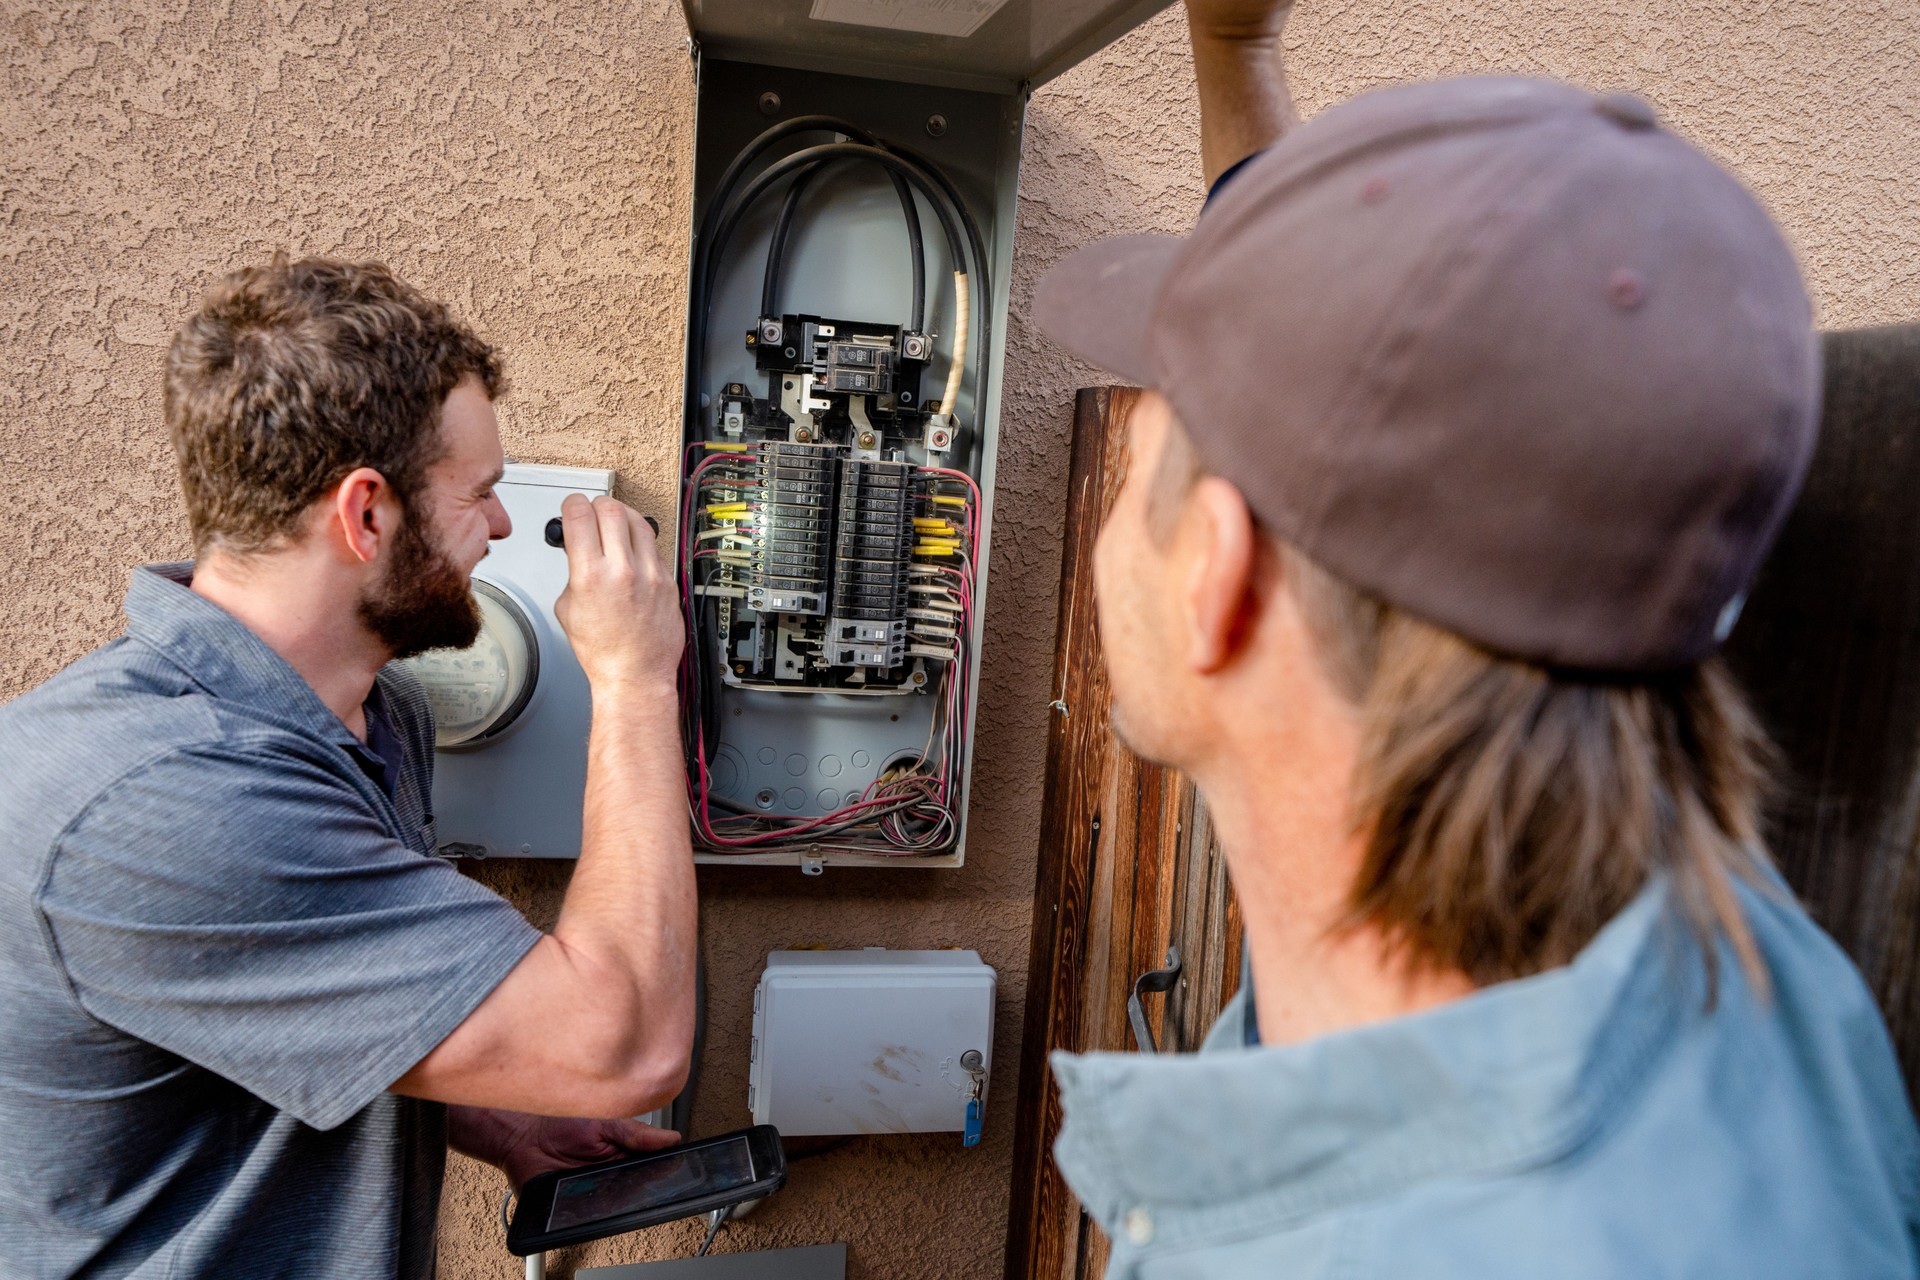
1220, 574
365, 513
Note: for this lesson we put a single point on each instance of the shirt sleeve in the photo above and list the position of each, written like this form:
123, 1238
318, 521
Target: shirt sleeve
1230, 172
250, 912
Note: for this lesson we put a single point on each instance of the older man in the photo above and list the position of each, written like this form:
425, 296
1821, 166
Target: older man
1474, 407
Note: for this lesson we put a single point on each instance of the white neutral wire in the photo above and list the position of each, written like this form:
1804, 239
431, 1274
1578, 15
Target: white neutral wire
962, 319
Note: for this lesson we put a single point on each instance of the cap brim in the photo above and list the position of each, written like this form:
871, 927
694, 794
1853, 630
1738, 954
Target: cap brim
1097, 302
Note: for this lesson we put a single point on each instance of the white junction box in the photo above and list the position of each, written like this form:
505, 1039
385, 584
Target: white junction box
872, 1041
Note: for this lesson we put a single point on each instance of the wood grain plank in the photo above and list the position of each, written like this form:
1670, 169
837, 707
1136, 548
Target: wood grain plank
1045, 1231
1120, 878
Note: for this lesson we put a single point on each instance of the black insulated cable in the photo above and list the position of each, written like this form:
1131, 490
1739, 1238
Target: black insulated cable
723, 211
783, 228
707, 255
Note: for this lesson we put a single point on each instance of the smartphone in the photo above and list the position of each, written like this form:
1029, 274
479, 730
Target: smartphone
572, 1206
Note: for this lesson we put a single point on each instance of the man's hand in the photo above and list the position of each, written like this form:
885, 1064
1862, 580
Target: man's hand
1244, 102
523, 1145
620, 609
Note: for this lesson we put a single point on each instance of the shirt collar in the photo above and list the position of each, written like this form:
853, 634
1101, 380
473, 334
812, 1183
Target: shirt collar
222, 655
1182, 1147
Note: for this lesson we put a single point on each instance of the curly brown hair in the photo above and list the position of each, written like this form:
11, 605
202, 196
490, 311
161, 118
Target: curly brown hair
293, 374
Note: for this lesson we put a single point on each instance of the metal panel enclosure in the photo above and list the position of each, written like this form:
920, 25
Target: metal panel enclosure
800, 754
947, 82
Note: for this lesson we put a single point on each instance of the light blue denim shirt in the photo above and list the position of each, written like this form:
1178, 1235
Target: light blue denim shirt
1598, 1120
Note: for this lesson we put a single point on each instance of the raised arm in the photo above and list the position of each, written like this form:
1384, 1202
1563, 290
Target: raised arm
1244, 102
597, 1019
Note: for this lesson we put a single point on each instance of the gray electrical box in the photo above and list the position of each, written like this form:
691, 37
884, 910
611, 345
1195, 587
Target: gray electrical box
1002, 49
855, 177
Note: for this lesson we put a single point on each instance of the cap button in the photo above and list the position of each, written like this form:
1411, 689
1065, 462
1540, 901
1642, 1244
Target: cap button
1627, 111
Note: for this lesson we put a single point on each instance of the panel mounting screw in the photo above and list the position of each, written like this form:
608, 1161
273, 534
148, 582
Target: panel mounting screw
866, 439
769, 103
936, 126
803, 436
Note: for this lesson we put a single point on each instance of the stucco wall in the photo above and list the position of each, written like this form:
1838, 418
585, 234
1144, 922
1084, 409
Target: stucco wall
530, 162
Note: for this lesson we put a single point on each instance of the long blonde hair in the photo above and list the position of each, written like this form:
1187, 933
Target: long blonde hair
1511, 810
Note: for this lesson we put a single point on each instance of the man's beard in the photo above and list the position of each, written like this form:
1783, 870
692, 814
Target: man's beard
423, 601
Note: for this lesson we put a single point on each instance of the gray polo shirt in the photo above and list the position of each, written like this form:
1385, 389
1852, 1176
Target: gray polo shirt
222, 937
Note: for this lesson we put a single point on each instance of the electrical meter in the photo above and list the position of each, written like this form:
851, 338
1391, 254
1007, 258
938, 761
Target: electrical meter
477, 693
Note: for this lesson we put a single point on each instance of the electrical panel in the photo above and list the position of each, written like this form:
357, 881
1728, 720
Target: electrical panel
839, 429
856, 170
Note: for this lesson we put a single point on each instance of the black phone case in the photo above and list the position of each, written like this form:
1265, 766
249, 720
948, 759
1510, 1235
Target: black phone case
523, 1238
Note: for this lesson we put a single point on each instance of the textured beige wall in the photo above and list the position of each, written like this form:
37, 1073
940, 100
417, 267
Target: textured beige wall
531, 163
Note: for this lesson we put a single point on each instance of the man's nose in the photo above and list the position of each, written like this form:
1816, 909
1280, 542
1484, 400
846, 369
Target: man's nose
499, 523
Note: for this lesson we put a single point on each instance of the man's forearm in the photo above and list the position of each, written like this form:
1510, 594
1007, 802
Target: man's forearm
1245, 104
596, 1020
632, 897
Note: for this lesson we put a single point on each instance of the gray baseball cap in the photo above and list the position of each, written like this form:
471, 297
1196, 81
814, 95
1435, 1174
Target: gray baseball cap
1502, 352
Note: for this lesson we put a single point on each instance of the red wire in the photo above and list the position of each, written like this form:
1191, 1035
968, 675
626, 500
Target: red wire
935, 788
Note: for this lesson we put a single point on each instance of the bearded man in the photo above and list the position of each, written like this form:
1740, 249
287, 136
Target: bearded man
246, 1007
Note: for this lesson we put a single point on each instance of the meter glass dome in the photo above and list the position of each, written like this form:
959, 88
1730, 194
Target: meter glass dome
478, 691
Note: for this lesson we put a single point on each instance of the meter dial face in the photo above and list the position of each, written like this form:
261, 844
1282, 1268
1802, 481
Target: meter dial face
476, 692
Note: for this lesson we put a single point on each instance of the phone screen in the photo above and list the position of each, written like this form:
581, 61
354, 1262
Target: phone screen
681, 1175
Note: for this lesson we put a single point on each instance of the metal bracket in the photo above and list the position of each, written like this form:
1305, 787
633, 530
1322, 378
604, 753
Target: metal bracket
1157, 982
